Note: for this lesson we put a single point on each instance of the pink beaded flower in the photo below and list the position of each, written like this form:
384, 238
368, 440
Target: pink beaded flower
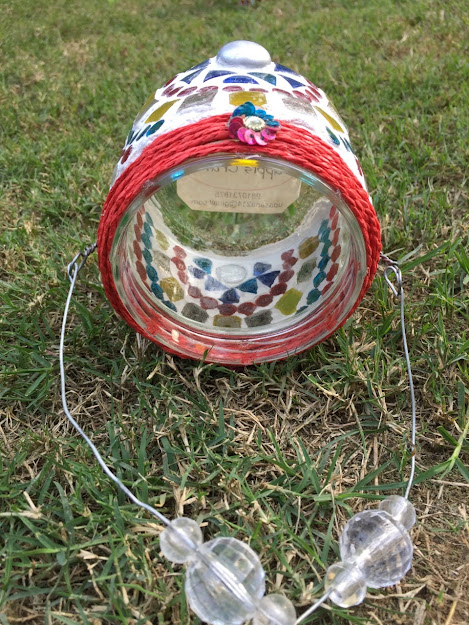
251, 125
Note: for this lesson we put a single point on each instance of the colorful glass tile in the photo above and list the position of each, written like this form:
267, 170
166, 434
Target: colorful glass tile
157, 290
320, 277
186, 92
335, 221
190, 77
250, 286
325, 248
306, 270
323, 227
149, 102
154, 127
260, 268
148, 219
231, 274
159, 112
170, 91
182, 275
287, 254
200, 98
170, 305
232, 88
220, 321
323, 263
180, 253
335, 125
227, 309
213, 285
247, 308
298, 105
335, 238
336, 253
284, 68
289, 262
180, 264
333, 137
240, 79
240, 97
172, 288
162, 261
347, 144
202, 65
194, 312
286, 275
270, 78
147, 228
197, 273
294, 83
141, 270
331, 274
162, 240
194, 291
151, 272
262, 318
264, 300
325, 235
278, 289
308, 246
216, 73
268, 278
138, 252
146, 240
230, 297
208, 303
204, 263
313, 296
289, 301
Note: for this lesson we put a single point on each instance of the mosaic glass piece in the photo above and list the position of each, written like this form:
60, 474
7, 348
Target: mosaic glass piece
333, 137
198, 273
323, 263
213, 285
240, 97
186, 92
325, 235
170, 305
159, 112
301, 106
284, 68
260, 268
286, 255
313, 296
240, 79
334, 222
231, 274
208, 303
335, 125
216, 73
146, 240
262, 318
147, 228
289, 301
232, 88
180, 264
325, 248
336, 253
247, 308
289, 262
147, 105
204, 263
300, 310
162, 261
154, 128
148, 219
170, 91
157, 290
264, 300
202, 65
323, 227
286, 275
230, 297
308, 246
200, 98
250, 286
151, 272
278, 289
331, 274
182, 275
226, 322
194, 291
321, 276
162, 240
294, 83
227, 309
138, 252
194, 312
269, 278
347, 144
141, 270
190, 77
270, 78
306, 270
172, 288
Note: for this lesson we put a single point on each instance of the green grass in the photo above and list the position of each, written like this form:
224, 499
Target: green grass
279, 455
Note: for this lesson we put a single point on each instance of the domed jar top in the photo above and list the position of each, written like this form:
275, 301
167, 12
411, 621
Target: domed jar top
238, 227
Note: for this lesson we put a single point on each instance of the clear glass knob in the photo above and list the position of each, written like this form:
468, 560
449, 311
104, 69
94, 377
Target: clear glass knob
400, 509
348, 583
180, 540
275, 610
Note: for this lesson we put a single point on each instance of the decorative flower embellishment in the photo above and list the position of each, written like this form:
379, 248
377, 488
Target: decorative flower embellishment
251, 125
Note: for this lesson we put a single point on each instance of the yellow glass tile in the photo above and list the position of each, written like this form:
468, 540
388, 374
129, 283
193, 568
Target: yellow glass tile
244, 162
308, 247
221, 321
162, 240
289, 301
146, 103
160, 111
330, 119
172, 288
240, 97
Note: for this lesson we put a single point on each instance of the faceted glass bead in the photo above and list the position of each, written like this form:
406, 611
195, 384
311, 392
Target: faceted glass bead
275, 610
225, 582
380, 546
400, 509
180, 540
348, 583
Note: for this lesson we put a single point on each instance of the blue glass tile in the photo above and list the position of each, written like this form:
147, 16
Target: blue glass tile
260, 268
300, 310
250, 286
313, 296
323, 227
157, 290
240, 79
230, 297
151, 273
154, 127
283, 68
204, 263
146, 240
202, 65
147, 228
325, 235
333, 136
197, 273
147, 256
143, 132
267, 77
323, 263
188, 79
269, 278
170, 305
130, 137
347, 144
215, 74
325, 248
294, 83
149, 219
213, 285
319, 278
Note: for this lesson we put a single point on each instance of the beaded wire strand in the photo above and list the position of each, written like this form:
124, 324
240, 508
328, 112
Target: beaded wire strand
346, 581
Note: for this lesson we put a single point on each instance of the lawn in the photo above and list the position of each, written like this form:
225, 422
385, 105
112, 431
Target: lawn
277, 455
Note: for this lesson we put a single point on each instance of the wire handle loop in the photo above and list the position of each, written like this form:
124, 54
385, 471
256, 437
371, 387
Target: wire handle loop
74, 267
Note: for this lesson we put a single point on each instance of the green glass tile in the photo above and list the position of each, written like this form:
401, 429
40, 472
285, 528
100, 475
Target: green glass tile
289, 301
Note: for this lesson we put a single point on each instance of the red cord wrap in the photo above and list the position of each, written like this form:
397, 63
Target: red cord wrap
210, 136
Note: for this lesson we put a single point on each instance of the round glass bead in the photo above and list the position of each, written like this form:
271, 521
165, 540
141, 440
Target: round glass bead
400, 509
348, 583
225, 582
377, 544
275, 610
180, 540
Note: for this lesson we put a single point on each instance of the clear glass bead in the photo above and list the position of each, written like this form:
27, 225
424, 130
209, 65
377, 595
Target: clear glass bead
225, 582
400, 509
379, 545
180, 540
348, 583
275, 610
